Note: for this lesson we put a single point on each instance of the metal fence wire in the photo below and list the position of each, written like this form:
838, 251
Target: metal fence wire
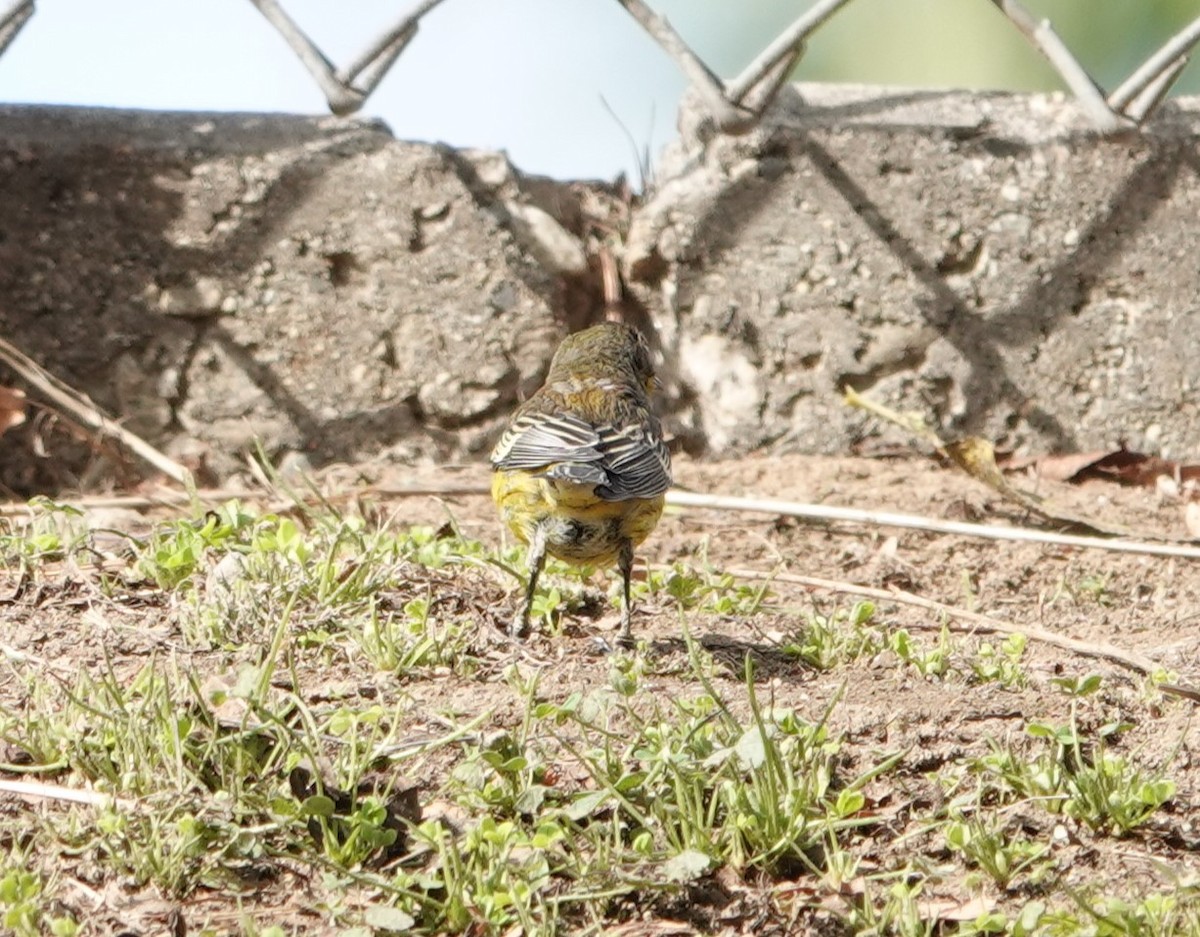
736, 105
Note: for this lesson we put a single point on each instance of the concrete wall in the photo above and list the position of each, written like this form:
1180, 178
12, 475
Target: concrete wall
315, 285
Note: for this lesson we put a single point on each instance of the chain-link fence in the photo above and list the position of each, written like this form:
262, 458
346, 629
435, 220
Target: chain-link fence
731, 105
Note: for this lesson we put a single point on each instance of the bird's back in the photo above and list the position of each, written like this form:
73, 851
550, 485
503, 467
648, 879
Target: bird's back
589, 431
583, 462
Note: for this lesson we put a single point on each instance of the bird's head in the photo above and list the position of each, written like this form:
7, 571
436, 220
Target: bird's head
609, 348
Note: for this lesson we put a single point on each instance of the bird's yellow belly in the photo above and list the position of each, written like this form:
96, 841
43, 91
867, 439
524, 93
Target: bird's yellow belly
580, 526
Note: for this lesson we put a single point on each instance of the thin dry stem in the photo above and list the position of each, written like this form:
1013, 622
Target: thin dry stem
87, 412
823, 512
1131, 660
72, 795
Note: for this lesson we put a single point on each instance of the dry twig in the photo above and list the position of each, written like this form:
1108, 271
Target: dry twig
823, 512
71, 795
78, 404
1131, 660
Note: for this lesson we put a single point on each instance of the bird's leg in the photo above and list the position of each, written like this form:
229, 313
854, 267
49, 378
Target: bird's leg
537, 559
625, 564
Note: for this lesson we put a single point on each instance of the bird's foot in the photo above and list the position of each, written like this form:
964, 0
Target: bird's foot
519, 627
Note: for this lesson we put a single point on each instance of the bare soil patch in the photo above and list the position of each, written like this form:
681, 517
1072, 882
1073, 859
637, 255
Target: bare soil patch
62, 620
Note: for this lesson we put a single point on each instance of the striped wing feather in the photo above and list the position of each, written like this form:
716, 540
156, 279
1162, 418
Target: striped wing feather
624, 462
535, 440
637, 461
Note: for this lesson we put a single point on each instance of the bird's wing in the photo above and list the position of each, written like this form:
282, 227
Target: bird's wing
535, 440
623, 462
636, 460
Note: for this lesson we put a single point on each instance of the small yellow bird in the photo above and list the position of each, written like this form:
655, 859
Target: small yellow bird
581, 471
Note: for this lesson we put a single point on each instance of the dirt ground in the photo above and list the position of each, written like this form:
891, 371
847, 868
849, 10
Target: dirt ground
1142, 604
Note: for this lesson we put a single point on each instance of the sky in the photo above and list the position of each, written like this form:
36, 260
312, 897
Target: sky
537, 78
569, 88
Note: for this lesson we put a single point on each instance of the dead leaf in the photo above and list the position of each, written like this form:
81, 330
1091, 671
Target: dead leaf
1122, 465
1137, 468
1191, 518
977, 458
664, 928
1167, 488
12, 408
1061, 467
949, 910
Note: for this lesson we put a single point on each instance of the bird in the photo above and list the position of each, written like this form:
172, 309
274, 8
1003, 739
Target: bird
581, 471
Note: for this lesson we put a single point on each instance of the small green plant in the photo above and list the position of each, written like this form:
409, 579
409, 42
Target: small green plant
929, 662
723, 595
1001, 664
701, 589
896, 911
493, 876
1112, 794
829, 641
55, 530
1090, 589
548, 607
1155, 915
412, 638
996, 851
436, 547
1105, 791
1079, 687
1095, 587
176, 551
761, 793
22, 903
1174, 913
680, 582
505, 777
350, 838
